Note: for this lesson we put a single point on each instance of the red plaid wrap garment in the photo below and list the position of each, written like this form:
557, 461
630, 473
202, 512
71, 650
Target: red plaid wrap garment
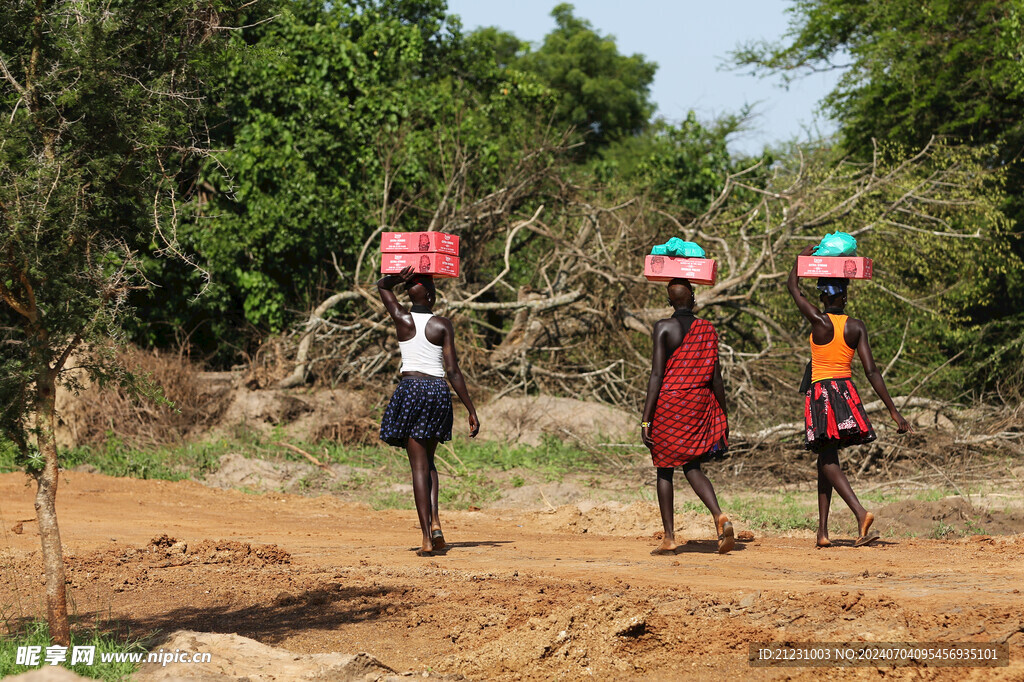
688, 421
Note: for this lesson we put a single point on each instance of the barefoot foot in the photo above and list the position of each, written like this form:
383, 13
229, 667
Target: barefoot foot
865, 523
867, 536
667, 546
726, 535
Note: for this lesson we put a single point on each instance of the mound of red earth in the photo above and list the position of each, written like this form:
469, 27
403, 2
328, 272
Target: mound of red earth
952, 516
126, 567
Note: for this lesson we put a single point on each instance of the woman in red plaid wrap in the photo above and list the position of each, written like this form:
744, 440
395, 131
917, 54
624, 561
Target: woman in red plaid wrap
684, 419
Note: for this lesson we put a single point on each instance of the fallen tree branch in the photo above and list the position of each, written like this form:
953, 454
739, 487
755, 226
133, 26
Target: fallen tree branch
298, 375
537, 305
794, 428
308, 456
508, 248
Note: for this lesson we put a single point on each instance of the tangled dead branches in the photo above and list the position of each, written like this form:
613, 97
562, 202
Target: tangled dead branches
552, 299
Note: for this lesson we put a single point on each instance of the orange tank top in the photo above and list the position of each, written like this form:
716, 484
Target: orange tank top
832, 360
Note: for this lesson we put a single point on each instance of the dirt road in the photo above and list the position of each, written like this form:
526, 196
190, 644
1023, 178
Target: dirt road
519, 595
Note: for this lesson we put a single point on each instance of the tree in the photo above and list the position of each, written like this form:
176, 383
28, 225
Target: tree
601, 92
689, 163
100, 104
912, 70
339, 90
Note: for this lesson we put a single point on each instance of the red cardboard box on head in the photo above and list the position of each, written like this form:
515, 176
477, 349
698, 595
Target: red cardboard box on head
666, 268
851, 267
436, 264
419, 242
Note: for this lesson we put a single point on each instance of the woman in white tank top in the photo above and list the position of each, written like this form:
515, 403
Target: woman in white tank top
418, 354
419, 414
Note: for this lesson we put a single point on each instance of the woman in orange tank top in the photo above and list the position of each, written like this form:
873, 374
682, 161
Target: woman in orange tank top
834, 416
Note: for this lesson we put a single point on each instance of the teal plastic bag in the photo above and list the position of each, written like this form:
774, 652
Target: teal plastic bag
836, 244
678, 247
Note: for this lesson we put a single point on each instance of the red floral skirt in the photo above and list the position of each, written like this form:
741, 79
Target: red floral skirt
834, 415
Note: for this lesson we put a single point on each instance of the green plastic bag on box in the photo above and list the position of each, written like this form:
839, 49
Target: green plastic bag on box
836, 244
678, 247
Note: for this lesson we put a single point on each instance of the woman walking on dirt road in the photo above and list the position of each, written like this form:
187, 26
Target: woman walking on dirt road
419, 414
834, 416
684, 420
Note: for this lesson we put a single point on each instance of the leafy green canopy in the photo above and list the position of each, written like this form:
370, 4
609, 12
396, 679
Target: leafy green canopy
323, 113
98, 113
912, 70
599, 91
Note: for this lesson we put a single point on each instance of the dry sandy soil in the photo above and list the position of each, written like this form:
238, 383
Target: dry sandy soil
568, 593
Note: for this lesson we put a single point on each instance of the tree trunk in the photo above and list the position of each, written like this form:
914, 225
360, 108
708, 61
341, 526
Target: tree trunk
46, 513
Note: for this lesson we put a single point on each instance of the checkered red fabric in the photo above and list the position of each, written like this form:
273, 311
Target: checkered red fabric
688, 421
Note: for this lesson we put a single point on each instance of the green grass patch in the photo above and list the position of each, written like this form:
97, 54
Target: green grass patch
775, 512
972, 527
882, 498
392, 500
552, 459
468, 490
472, 471
691, 506
115, 458
932, 494
37, 633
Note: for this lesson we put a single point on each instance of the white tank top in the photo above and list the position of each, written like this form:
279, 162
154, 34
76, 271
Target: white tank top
418, 353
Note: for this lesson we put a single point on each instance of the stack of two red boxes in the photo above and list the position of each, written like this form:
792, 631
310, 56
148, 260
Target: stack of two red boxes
429, 253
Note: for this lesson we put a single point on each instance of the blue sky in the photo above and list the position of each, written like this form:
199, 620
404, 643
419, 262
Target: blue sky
689, 40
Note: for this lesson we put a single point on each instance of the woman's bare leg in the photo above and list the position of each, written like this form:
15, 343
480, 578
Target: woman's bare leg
828, 464
419, 460
435, 516
666, 503
824, 504
701, 485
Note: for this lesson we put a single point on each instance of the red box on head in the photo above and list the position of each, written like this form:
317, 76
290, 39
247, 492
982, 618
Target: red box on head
436, 264
667, 268
851, 267
419, 242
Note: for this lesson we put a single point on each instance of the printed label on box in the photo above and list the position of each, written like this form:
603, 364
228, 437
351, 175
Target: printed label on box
666, 268
851, 267
436, 264
419, 242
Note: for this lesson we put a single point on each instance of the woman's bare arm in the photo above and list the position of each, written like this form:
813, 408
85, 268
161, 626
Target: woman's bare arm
458, 382
875, 377
807, 309
385, 286
658, 359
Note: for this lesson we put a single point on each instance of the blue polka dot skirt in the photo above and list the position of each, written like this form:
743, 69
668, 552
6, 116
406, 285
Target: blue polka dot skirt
420, 408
